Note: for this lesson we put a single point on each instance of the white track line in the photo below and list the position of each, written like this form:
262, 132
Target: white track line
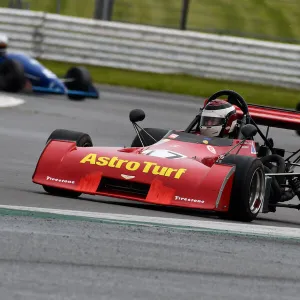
239, 228
8, 101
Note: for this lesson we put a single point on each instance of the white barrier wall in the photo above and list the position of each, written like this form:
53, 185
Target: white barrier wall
145, 48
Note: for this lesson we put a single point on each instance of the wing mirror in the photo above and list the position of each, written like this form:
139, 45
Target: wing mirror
249, 131
136, 115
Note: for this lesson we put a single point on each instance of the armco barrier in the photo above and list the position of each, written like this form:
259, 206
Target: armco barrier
145, 48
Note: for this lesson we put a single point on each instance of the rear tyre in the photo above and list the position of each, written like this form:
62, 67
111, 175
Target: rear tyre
82, 140
298, 109
156, 133
12, 76
81, 81
248, 190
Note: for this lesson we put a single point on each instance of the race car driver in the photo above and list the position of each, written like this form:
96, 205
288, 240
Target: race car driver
218, 119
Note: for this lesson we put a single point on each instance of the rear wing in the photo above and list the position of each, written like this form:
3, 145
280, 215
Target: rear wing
273, 117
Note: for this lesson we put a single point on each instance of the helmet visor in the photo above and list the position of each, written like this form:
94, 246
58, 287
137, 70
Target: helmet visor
211, 121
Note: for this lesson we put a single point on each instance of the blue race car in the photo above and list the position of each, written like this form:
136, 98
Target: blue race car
19, 72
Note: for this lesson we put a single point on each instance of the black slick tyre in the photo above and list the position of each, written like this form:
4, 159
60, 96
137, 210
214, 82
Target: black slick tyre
12, 76
248, 188
61, 192
80, 80
156, 133
82, 140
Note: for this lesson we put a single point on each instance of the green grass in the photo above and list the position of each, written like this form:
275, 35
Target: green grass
187, 85
78, 8
266, 19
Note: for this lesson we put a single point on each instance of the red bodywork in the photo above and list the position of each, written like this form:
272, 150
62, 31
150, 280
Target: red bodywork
171, 172
190, 181
273, 117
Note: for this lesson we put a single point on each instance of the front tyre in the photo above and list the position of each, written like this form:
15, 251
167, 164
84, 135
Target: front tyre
82, 140
248, 190
78, 79
61, 192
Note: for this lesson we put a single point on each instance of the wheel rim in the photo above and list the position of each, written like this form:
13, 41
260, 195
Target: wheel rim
257, 191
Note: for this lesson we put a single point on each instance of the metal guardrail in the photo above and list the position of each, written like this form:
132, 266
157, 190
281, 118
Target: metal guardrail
145, 48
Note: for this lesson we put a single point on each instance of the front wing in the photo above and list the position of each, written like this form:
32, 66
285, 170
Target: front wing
92, 93
59, 167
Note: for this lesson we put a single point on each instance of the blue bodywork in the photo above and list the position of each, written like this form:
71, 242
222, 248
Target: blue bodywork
43, 80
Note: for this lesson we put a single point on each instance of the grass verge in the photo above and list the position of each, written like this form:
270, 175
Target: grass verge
184, 84
262, 19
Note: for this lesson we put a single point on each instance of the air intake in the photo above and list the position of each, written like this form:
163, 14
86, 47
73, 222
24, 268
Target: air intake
123, 187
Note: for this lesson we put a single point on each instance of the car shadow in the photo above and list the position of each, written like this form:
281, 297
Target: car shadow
141, 205
156, 207
180, 211
279, 222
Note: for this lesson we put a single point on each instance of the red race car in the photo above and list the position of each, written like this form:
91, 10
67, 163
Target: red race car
233, 176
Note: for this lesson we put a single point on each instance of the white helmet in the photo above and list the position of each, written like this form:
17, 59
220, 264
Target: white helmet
218, 118
3, 43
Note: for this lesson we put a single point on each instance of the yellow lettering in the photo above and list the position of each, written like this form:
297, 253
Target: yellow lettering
170, 171
179, 173
112, 161
102, 161
91, 158
158, 170
132, 166
148, 166
120, 162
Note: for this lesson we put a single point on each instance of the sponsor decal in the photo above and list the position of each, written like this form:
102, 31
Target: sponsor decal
146, 166
163, 153
212, 149
205, 142
127, 176
253, 148
60, 180
252, 145
173, 136
178, 198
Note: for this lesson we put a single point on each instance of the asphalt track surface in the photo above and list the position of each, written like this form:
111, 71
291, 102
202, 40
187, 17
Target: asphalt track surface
50, 259
42, 259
